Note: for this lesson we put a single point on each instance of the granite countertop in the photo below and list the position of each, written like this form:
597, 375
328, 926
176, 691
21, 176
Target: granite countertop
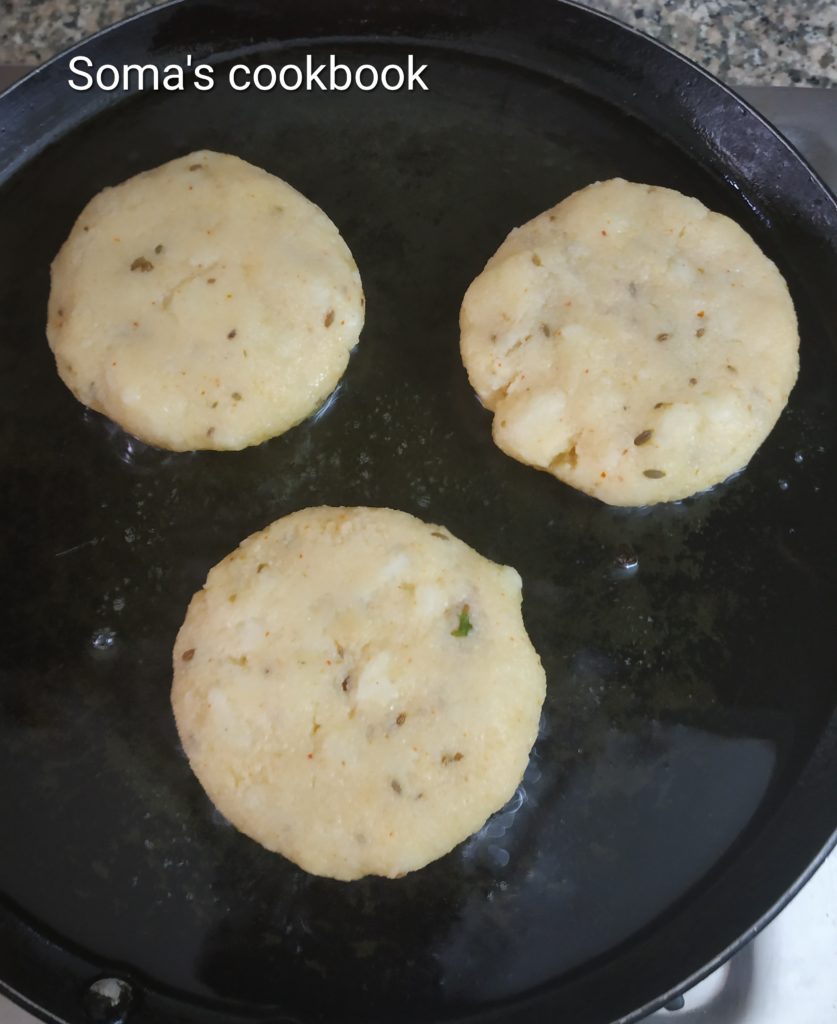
744, 42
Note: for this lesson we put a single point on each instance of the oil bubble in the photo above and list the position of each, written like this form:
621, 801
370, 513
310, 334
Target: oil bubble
103, 639
128, 448
498, 857
626, 559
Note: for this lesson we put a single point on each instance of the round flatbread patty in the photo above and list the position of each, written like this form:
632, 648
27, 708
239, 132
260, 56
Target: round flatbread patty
356, 690
631, 342
204, 304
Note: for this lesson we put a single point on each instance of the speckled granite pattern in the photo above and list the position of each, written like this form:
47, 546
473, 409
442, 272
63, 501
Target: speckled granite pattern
745, 42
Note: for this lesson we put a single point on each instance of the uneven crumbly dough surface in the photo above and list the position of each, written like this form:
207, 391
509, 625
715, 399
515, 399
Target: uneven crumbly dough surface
632, 343
355, 689
203, 304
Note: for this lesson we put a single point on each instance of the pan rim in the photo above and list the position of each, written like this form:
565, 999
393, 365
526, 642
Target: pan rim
162, 11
